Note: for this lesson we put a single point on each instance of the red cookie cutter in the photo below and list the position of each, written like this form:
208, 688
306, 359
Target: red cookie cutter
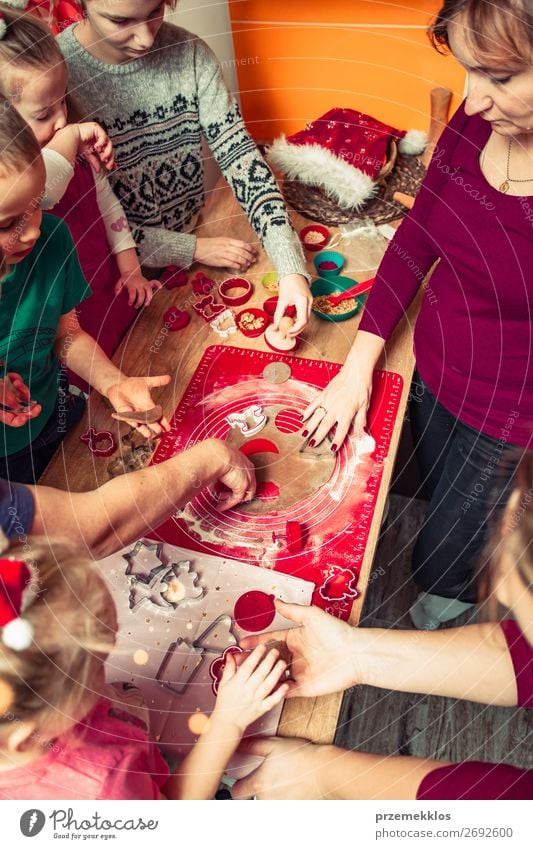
243, 286
176, 319
92, 437
173, 277
207, 308
202, 285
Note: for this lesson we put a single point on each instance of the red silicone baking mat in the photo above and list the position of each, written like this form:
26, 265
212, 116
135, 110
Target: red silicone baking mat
334, 518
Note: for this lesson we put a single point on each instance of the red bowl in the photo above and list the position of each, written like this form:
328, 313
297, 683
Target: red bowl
242, 294
321, 240
270, 305
257, 314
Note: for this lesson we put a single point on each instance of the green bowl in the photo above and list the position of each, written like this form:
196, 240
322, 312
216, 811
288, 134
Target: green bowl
334, 287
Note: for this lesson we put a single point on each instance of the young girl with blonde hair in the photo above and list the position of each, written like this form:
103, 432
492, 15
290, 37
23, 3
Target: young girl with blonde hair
60, 734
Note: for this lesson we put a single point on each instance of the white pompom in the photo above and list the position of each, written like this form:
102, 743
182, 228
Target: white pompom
413, 143
17, 634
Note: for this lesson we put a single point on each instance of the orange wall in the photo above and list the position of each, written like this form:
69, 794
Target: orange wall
298, 58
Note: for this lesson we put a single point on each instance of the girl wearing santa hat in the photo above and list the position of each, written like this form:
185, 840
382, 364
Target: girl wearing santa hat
60, 735
472, 396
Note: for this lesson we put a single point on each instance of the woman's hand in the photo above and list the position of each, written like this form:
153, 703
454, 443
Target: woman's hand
324, 650
221, 252
248, 691
292, 769
140, 290
345, 399
294, 291
134, 393
16, 406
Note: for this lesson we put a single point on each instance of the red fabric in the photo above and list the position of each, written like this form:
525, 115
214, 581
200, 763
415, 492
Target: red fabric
105, 316
522, 656
60, 14
478, 780
14, 575
358, 139
473, 332
103, 757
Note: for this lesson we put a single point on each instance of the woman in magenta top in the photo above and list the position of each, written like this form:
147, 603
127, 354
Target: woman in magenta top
490, 663
472, 396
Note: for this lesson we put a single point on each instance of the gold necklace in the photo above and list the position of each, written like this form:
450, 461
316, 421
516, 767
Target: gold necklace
505, 186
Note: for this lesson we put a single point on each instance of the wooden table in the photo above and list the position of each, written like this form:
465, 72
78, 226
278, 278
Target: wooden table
148, 350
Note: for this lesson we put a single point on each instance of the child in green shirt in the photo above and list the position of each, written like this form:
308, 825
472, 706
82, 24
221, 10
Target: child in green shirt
41, 286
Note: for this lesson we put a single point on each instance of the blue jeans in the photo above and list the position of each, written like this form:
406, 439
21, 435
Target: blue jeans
468, 477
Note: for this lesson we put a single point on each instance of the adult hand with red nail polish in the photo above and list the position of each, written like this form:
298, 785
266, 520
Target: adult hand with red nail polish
347, 397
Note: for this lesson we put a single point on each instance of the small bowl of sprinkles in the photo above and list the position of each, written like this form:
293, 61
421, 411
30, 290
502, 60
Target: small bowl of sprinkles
314, 237
321, 289
328, 264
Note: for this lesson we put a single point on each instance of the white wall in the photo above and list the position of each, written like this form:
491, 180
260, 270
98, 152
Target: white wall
211, 22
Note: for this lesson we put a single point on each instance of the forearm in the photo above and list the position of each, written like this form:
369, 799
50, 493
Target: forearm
198, 775
66, 142
159, 247
364, 353
472, 662
128, 262
342, 774
81, 353
126, 508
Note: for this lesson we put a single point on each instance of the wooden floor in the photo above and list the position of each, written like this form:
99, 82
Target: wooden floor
380, 721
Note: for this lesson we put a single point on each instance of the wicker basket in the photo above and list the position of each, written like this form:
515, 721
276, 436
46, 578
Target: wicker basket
401, 173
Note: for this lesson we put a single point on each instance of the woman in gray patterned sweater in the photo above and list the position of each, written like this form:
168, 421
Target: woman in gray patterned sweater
157, 89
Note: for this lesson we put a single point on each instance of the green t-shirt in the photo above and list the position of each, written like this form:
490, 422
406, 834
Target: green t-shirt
46, 285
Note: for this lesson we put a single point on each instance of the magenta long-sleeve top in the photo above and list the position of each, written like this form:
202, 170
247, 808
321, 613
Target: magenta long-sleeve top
474, 334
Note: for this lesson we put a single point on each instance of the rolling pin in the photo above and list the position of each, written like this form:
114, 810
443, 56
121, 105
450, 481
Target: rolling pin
440, 105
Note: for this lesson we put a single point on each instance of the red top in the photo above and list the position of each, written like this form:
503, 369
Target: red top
474, 333
104, 316
478, 780
106, 756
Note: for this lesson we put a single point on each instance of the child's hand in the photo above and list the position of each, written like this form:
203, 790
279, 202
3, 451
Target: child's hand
96, 146
221, 252
16, 406
294, 291
140, 290
246, 692
133, 393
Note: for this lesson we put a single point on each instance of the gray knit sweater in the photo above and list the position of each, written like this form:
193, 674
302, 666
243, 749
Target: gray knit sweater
155, 109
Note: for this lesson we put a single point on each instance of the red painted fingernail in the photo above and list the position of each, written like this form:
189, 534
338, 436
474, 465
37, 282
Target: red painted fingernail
312, 443
305, 433
333, 447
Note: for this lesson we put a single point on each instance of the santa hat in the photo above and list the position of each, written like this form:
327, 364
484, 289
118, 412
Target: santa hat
17, 633
342, 152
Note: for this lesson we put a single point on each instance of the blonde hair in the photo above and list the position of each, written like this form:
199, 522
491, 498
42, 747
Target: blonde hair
495, 30
26, 44
55, 682
19, 149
